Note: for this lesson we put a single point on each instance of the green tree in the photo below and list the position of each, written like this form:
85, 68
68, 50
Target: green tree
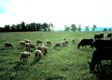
79, 27
13, 28
45, 27
73, 27
86, 28
7, 28
94, 27
23, 27
104, 29
66, 28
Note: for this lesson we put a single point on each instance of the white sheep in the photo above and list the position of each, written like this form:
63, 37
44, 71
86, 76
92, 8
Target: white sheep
8, 45
63, 43
43, 48
38, 55
27, 41
73, 41
22, 43
38, 42
58, 44
24, 55
48, 43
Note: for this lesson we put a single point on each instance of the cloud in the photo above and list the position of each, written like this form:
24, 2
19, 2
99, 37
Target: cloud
59, 12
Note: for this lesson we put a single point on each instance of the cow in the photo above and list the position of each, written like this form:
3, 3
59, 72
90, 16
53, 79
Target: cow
99, 55
109, 35
85, 42
101, 43
98, 36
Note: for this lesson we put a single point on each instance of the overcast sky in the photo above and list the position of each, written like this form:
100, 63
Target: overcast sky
59, 12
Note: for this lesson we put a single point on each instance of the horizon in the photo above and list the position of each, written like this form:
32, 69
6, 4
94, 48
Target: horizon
58, 12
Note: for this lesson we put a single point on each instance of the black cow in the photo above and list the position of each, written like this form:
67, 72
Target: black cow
99, 55
98, 36
101, 43
85, 42
109, 35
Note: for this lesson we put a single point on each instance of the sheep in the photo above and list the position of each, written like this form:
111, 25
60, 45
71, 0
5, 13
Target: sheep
39, 42
27, 41
58, 44
48, 43
63, 43
73, 41
27, 45
38, 55
24, 55
22, 43
8, 45
64, 38
44, 49
31, 45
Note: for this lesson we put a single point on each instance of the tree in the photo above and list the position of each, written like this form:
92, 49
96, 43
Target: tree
13, 28
18, 27
105, 29
7, 28
51, 26
87, 28
45, 27
79, 27
23, 27
94, 27
66, 28
73, 27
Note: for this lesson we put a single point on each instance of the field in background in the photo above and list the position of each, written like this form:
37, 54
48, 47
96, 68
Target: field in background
67, 63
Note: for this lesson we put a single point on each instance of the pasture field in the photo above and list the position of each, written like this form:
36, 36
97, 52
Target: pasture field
66, 63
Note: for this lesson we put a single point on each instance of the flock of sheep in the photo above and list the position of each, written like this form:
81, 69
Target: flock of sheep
39, 47
101, 45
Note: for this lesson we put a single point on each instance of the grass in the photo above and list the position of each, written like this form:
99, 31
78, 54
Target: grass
67, 63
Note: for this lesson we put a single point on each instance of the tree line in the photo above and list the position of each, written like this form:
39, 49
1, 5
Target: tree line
27, 27
73, 27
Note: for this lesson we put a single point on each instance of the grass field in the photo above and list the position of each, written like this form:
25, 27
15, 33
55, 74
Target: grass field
67, 63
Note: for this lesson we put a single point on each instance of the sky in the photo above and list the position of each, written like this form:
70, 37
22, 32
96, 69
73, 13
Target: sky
58, 12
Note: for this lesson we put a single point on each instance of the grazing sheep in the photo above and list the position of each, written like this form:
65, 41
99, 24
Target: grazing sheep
43, 49
73, 41
31, 45
27, 45
48, 43
58, 44
63, 43
27, 41
39, 42
38, 55
24, 55
64, 38
22, 43
8, 45
66, 41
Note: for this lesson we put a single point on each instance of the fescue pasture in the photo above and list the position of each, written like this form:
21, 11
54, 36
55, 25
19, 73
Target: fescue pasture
67, 63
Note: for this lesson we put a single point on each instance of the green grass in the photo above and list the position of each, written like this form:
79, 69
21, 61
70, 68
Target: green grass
67, 63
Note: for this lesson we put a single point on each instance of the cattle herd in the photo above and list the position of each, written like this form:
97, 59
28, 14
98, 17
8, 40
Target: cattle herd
102, 48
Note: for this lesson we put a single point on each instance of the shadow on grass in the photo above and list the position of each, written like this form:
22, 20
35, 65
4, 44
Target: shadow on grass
104, 73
